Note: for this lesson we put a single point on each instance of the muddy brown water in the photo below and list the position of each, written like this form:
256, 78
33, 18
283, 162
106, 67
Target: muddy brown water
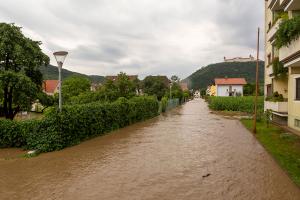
188, 153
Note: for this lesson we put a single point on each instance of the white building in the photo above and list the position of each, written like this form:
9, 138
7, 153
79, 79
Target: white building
229, 86
240, 59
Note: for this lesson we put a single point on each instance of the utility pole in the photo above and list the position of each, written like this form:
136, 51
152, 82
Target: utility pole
256, 85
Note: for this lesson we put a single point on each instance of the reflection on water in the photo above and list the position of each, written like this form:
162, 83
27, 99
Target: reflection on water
187, 153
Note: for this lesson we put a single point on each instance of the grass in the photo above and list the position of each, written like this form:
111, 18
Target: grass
241, 104
283, 146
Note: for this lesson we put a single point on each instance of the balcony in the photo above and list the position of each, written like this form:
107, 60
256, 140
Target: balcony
271, 3
272, 32
281, 108
290, 55
293, 5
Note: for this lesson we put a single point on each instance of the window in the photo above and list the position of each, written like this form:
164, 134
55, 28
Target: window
269, 90
298, 89
297, 123
269, 59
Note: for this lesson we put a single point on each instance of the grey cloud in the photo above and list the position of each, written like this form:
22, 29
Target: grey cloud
140, 36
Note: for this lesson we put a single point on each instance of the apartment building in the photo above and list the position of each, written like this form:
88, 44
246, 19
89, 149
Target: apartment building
282, 56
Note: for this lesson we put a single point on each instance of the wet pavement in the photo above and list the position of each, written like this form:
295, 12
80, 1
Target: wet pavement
187, 153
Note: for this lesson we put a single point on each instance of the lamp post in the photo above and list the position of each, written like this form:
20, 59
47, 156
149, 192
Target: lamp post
60, 57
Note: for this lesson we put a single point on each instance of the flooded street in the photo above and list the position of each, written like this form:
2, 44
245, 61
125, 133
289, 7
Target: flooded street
187, 153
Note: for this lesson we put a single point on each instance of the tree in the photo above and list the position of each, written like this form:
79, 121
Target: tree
175, 79
20, 59
154, 85
249, 89
75, 85
125, 86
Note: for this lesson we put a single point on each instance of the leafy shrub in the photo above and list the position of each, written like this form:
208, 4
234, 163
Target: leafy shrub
276, 97
289, 30
164, 104
242, 104
76, 123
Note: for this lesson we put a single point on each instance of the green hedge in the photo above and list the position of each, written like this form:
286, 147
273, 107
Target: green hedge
76, 123
242, 104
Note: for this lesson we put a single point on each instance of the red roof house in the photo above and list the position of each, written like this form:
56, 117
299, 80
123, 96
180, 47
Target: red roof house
230, 81
230, 86
50, 87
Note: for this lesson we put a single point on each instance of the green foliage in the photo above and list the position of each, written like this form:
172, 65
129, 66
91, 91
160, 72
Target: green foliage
155, 85
50, 72
20, 60
203, 92
76, 123
125, 87
206, 75
279, 70
164, 104
109, 92
249, 89
276, 97
242, 104
73, 86
176, 91
284, 147
289, 31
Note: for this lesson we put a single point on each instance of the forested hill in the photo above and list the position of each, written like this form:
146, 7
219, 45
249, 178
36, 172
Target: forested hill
50, 72
206, 75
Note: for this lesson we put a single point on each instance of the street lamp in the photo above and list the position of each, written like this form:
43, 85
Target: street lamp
60, 57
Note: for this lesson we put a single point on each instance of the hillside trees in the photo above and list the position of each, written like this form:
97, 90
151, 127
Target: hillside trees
20, 78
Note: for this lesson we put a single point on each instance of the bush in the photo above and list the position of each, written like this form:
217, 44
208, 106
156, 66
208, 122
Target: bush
76, 123
242, 104
164, 104
289, 31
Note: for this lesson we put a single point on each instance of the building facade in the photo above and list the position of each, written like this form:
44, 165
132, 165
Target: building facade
226, 87
282, 66
240, 59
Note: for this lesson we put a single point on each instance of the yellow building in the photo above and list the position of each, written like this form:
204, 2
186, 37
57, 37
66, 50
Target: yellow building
282, 66
211, 90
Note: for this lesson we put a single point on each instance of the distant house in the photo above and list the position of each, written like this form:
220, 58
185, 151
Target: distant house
229, 86
211, 90
184, 86
240, 59
95, 86
51, 87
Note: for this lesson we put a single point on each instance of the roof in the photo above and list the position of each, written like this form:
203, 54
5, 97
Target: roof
50, 86
184, 86
230, 81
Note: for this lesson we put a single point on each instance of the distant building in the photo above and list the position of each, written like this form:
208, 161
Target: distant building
95, 86
197, 94
184, 86
226, 87
51, 87
240, 59
211, 90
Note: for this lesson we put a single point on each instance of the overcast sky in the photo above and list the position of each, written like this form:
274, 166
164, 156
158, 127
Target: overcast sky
141, 37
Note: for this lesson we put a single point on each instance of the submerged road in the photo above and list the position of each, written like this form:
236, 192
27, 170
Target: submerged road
187, 153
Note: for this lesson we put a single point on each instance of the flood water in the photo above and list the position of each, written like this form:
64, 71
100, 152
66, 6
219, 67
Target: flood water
188, 153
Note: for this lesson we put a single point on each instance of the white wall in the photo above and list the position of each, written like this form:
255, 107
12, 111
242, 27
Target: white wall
223, 90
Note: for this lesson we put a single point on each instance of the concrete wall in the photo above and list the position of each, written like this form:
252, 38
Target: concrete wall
293, 105
223, 90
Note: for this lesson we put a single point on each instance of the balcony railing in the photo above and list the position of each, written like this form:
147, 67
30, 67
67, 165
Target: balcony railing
290, 55
279, 107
